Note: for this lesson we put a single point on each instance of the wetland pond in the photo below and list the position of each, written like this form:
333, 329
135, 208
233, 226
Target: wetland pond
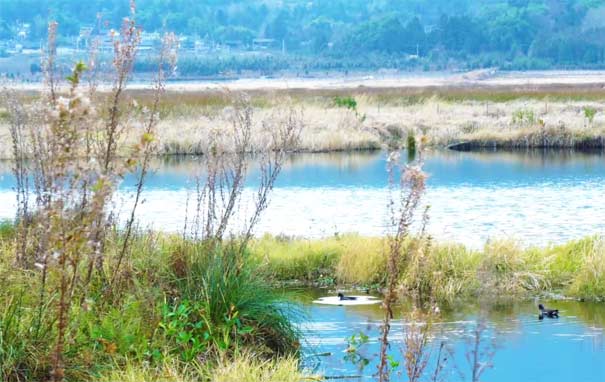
536, 197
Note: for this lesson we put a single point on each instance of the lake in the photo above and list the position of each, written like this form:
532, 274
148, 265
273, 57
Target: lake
537, 197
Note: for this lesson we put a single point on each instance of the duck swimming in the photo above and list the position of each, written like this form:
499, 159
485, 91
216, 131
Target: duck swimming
342, 297
341, 300
550, 313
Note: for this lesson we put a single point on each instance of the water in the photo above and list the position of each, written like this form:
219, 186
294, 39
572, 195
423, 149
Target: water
571, 348
536, 197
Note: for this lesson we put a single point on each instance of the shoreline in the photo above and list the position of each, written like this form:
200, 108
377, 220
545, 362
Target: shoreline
483, 79
450, 271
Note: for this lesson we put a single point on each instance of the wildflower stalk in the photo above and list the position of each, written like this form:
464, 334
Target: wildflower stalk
402, 210
146, 146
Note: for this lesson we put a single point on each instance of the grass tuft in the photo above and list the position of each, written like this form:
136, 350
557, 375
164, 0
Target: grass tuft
249, 369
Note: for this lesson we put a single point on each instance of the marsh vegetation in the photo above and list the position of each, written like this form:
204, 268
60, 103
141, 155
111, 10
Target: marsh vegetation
369, 119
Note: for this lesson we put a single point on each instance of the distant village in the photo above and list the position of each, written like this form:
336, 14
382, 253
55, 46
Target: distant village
20, 56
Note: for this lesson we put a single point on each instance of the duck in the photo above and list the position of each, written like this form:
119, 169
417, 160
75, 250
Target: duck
550, 313
342, 297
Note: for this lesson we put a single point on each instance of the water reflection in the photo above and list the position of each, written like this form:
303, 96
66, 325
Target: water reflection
368, 169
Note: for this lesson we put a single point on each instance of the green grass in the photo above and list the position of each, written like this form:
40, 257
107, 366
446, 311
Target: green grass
448, 271
7, 230
346, 259
195, 311
224, 305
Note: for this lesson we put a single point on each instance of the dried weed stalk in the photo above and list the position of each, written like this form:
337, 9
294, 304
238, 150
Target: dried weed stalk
403, 203
70, 147
227, 158
480, 353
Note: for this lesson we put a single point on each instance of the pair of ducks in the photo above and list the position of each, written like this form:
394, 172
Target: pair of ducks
544, 312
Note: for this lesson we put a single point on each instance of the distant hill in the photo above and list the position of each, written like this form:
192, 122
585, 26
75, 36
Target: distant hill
337, 34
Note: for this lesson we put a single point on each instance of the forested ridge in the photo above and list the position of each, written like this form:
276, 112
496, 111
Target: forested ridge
479, 33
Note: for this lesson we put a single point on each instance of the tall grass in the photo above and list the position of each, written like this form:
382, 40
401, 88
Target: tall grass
347, 258
17, 353
235, 306
449, 271
224, 304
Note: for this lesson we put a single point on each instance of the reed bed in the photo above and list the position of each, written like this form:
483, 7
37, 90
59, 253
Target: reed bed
517, 123
378, 119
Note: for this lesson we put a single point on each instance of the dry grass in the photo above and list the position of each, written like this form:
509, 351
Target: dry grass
131, 372
247, 369
383, 117
243, 368
328, 128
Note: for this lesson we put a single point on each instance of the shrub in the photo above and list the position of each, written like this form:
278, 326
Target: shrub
346, 102
224, 303
590, 113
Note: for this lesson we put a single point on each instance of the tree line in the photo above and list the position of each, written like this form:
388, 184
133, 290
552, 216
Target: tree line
513, 33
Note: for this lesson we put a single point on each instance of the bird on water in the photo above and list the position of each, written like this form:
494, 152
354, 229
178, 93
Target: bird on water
550, 313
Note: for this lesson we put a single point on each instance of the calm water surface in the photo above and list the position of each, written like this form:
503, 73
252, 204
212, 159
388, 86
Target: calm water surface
571, 348
537, 197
